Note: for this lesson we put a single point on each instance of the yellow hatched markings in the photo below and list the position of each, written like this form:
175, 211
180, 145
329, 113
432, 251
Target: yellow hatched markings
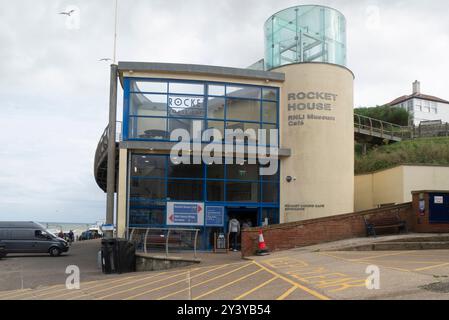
286, 293
171, 284
83, 291
363, 262
227, 284
104, 282
14, 293
299, 286
243, 295
432, 267
142, 286
203, 282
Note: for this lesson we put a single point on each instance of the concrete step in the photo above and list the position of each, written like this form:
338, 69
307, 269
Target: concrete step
398, 246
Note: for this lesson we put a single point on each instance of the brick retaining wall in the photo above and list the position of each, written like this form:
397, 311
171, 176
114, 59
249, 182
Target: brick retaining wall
304, 233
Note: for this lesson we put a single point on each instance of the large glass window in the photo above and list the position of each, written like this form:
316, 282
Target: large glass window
154, 108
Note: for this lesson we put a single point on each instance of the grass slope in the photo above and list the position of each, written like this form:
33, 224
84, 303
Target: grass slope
431, 151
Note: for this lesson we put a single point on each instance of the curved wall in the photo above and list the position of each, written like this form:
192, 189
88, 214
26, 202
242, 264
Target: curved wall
316, 123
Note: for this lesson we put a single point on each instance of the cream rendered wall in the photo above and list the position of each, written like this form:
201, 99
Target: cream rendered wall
395, 185
363, 192
388, 186
424, 178
322, 151
121, 193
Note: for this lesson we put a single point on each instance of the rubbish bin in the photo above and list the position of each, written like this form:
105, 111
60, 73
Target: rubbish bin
117, 256
108, 256
2, 250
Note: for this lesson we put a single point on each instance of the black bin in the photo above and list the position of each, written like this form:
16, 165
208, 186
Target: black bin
2, 250
118, 256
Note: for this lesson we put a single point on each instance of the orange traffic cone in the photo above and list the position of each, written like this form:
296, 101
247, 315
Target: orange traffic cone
262, 251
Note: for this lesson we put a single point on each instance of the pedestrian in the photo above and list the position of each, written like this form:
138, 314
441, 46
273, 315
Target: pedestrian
61, 234
71, 236
234, 230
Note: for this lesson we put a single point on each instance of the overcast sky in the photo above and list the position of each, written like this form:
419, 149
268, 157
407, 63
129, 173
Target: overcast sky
54, 91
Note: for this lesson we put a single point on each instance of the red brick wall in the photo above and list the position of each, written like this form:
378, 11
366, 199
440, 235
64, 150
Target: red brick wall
309, 232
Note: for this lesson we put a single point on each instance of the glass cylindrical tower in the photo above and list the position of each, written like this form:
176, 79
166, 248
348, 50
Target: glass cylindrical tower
305, 34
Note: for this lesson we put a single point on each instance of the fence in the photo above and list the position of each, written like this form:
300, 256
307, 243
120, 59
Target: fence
164, 239
379, 128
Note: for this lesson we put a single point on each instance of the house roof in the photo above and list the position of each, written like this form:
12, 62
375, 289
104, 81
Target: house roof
417, 96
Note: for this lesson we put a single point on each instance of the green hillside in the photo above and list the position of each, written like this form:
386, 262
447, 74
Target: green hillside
433, 151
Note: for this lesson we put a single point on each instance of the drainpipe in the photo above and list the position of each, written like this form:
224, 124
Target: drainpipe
110, 182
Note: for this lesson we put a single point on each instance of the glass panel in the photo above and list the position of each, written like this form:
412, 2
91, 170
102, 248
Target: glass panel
242, 172
187, 124
186, 106
215, 190
148, 166
215, 171
243, 92
304, 34
243, 126
269, 112
272, 214
216, 90
189, 88
219, 125
148, 128
269, 94
246, 110
242, 191
215, 108
268, 133
146, 216
147, 188
185, 170
148, 104
149, 86
270, 192
185, 190
273, 177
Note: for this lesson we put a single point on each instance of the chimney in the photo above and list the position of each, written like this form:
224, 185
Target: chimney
416, 87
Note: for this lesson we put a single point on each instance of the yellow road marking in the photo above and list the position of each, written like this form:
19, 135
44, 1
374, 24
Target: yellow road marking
256, 288
364, 262
173, 283
299, 286
143, 285
15, 293
380, 255
227, 284
203, 282
98, 285
84, 291
286, 293
432, 267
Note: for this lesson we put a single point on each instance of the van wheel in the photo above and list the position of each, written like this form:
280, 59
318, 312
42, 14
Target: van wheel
54, 251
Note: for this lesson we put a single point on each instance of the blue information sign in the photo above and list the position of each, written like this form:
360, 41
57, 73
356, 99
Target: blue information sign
214, 216
185, 213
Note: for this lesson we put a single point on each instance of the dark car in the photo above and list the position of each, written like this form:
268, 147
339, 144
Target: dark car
30, 237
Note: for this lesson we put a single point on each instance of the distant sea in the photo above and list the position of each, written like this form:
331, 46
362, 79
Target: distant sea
77, 228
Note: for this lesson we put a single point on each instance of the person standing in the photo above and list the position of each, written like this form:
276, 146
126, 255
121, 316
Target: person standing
234, 230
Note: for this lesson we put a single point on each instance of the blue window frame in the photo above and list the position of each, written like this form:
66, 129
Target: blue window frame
154, 107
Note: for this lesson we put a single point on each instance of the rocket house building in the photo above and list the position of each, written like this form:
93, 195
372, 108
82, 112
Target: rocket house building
302, 88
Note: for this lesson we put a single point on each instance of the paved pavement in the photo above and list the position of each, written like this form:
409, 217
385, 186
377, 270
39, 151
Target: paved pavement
294, 274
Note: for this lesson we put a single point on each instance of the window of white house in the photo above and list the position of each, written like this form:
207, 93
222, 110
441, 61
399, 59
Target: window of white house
433, 106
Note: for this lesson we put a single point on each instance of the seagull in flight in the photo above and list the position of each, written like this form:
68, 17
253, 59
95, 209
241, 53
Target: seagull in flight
68, 13
105, 59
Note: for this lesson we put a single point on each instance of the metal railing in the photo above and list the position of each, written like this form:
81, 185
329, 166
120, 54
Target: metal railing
164, 239
100, 166
380, 129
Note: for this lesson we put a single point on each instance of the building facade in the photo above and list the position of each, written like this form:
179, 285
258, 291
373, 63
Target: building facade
303, 98
422, 107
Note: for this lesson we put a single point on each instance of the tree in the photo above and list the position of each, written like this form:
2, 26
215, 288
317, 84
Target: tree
394, 115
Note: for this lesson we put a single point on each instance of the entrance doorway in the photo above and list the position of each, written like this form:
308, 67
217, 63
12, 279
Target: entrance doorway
245, 216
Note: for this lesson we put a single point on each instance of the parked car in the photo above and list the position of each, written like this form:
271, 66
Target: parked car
30, 237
